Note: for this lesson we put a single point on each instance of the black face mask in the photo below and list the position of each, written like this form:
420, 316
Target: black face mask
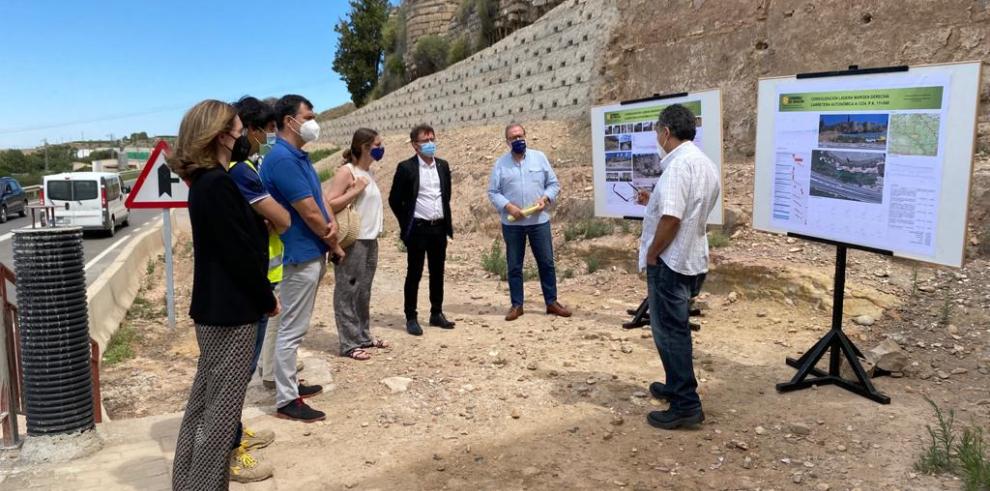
241, 149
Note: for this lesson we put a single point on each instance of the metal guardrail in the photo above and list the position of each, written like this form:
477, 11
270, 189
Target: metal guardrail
33, 192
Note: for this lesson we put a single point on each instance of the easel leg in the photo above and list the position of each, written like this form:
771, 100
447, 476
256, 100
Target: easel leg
839, 346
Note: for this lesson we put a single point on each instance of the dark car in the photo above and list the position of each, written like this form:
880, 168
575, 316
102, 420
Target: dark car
12, 198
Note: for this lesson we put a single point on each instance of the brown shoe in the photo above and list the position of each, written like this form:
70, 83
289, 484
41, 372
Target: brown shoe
514, 313
557, 309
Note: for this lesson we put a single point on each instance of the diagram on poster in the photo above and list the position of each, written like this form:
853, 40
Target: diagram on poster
627, 155
864, 159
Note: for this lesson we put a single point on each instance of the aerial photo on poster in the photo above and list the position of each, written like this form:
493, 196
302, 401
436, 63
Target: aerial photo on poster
853, 176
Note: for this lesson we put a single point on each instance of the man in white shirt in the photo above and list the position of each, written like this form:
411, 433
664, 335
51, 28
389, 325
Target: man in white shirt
420, 199
674, 252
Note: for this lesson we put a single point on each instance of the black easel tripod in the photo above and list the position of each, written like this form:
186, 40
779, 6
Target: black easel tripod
641, 316
836, 343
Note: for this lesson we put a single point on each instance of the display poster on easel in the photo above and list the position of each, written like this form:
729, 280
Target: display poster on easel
626, 154
879, 160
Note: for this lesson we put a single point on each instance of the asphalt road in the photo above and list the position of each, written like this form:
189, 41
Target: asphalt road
99, 250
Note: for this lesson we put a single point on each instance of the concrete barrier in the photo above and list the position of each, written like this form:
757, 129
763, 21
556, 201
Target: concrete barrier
111, 295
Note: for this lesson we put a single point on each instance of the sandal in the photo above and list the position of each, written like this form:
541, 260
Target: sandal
359, 354
380, 344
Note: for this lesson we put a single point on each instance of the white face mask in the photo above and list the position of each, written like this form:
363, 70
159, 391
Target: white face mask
663, 153
309, 131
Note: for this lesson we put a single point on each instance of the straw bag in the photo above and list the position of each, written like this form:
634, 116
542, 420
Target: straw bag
348, 223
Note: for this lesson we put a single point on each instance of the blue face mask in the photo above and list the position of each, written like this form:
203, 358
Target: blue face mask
428, 149
519, 147
377, 153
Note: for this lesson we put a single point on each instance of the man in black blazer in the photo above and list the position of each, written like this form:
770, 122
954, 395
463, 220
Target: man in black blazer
420, 200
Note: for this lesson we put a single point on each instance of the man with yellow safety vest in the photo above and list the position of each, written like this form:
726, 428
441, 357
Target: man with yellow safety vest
258, 119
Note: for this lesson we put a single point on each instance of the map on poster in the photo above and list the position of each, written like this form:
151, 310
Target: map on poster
863, 159
627, 155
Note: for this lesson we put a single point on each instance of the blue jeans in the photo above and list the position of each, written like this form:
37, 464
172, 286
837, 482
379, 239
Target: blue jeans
541, 242
670, 294
259, 340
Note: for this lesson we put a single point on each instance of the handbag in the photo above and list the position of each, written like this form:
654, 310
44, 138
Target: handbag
348, 223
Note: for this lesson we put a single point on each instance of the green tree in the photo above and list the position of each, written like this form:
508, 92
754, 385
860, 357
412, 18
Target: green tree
361, 46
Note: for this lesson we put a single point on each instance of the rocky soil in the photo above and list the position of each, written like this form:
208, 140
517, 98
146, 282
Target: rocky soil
556, 403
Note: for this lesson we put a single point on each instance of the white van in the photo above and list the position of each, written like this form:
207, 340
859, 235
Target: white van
91, 200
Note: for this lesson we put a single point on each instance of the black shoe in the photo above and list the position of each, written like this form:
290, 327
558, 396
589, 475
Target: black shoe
306, 391
670, 420
298, 410
412, 327
439, 320
659, 391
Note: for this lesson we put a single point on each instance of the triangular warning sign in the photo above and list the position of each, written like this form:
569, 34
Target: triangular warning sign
158, 186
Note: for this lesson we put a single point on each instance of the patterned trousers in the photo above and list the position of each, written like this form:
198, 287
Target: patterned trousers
213, 412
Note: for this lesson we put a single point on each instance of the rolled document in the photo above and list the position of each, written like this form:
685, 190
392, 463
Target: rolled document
526, 212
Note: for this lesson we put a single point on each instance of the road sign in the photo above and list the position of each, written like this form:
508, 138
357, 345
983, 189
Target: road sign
158, 186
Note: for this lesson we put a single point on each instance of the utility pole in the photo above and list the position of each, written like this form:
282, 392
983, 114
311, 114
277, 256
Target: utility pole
46, 155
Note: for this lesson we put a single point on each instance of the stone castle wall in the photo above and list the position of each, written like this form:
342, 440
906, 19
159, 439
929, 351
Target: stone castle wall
543, 71
428, 18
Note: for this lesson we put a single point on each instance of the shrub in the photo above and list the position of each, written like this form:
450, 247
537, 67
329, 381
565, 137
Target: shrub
593, 262
717, 239
121, 345
493, 261
459, 50
430, 55
321, 153
588, 228
967, 459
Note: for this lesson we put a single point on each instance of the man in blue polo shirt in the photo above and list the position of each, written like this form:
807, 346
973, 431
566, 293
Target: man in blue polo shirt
289, 176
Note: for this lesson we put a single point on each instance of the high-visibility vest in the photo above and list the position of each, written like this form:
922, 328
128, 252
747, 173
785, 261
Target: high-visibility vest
275, 247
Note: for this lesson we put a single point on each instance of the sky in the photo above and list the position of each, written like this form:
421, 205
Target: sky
72, 70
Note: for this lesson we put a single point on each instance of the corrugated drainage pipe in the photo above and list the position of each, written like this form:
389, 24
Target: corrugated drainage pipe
54, 330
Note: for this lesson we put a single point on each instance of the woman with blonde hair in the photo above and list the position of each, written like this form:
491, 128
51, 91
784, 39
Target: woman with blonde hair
354, 185
230, 294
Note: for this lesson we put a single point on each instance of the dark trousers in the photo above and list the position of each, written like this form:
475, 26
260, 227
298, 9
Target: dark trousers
670, 295
426, 242
541, 243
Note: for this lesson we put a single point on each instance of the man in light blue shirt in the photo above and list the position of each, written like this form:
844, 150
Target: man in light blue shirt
521, 187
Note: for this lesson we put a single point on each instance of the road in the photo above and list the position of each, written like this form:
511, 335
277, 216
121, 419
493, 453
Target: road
840, 190
99, 250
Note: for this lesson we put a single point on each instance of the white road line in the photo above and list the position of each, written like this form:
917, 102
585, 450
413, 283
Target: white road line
6, 236
106, 251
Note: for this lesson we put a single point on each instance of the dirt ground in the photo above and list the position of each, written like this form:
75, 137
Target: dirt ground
549, 403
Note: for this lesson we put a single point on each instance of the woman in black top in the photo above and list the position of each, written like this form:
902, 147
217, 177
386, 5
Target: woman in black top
230, 294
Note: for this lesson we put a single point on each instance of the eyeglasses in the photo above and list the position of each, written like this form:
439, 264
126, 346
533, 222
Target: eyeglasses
515, 138
427, 140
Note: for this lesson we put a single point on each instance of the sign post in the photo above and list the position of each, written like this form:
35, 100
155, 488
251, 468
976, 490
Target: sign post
157, 187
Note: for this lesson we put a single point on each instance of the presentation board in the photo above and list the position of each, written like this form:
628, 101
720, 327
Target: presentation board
626, 155
882, 161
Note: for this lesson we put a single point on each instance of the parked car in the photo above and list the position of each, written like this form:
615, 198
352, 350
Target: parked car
12, 198
91, 200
